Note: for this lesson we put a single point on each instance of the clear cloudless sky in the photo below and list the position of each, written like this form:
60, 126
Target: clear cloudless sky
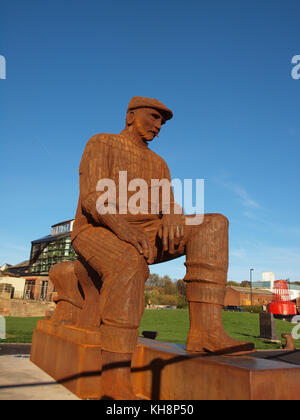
223, 67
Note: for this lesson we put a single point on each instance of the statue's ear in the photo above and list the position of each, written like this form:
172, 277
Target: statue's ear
130, 118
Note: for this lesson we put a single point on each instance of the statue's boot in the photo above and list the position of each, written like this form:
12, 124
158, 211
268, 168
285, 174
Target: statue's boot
207, 333
116, 376
206, 276
68, 298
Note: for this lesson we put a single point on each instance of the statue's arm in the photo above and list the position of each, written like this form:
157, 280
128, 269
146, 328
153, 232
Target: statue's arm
172, 226
172, 207
95, 166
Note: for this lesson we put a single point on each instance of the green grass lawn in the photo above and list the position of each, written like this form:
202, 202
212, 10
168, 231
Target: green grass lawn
172, 325
19, 330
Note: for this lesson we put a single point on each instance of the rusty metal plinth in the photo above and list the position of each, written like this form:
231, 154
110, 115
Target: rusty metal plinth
165, 371
70, 355
162, 371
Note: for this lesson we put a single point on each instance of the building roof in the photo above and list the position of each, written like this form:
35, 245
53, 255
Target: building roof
254, 291
7, 274
5, 265
21, 264
62, 223
51, 238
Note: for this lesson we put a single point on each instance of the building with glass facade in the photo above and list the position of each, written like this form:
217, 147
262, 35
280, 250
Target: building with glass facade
52, 249
31, 279
294, 289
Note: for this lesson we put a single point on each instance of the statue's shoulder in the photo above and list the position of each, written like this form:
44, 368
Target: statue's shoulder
158, 158
103, 139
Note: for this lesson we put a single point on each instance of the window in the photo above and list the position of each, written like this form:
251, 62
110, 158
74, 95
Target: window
29, 289
56, 251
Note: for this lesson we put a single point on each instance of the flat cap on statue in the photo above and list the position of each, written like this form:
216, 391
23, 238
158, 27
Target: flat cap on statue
141, 102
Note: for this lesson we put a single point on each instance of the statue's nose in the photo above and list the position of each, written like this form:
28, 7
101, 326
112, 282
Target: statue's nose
158, 125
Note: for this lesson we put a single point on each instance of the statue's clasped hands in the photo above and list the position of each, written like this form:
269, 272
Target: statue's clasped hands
171, 232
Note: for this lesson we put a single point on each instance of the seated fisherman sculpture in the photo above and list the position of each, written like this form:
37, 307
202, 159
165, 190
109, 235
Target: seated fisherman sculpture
104, 288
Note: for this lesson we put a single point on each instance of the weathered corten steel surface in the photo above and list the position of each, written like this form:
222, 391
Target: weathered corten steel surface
162, 371
165, 371
103, 290
70, 355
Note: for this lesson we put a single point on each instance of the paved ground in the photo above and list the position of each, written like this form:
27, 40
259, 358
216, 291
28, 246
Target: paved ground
288, 356
12, 349
22, 380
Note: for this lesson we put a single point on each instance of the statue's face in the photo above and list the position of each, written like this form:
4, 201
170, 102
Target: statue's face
148, 122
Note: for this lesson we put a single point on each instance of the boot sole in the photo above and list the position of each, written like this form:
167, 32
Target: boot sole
241, 349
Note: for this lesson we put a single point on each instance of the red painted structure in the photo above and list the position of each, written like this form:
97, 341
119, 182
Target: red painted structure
281, 303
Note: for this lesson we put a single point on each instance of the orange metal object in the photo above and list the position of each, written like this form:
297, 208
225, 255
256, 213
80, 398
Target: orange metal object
281, 303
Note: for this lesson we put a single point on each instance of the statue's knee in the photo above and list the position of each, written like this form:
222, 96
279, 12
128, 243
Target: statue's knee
59, 273
221, 219
214, 223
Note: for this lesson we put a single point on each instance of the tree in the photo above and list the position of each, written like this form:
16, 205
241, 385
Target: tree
153, 280
181, 287
246, 283
164, 291
233, 283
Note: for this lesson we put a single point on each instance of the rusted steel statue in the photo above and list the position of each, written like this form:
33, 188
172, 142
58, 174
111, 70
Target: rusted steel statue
104, 289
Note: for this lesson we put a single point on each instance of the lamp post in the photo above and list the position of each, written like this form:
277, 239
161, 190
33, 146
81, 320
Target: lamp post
251, 271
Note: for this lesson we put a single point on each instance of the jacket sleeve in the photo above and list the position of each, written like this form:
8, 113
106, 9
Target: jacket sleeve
174, 208
94, 167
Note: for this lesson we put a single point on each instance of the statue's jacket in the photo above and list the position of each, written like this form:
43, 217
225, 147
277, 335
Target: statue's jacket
105, 157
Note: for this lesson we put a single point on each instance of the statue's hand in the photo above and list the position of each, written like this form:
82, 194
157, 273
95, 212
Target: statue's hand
130, 234
140, 241
172, 228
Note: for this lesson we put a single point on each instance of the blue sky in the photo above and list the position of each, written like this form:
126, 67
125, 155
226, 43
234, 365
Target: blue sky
224, 68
